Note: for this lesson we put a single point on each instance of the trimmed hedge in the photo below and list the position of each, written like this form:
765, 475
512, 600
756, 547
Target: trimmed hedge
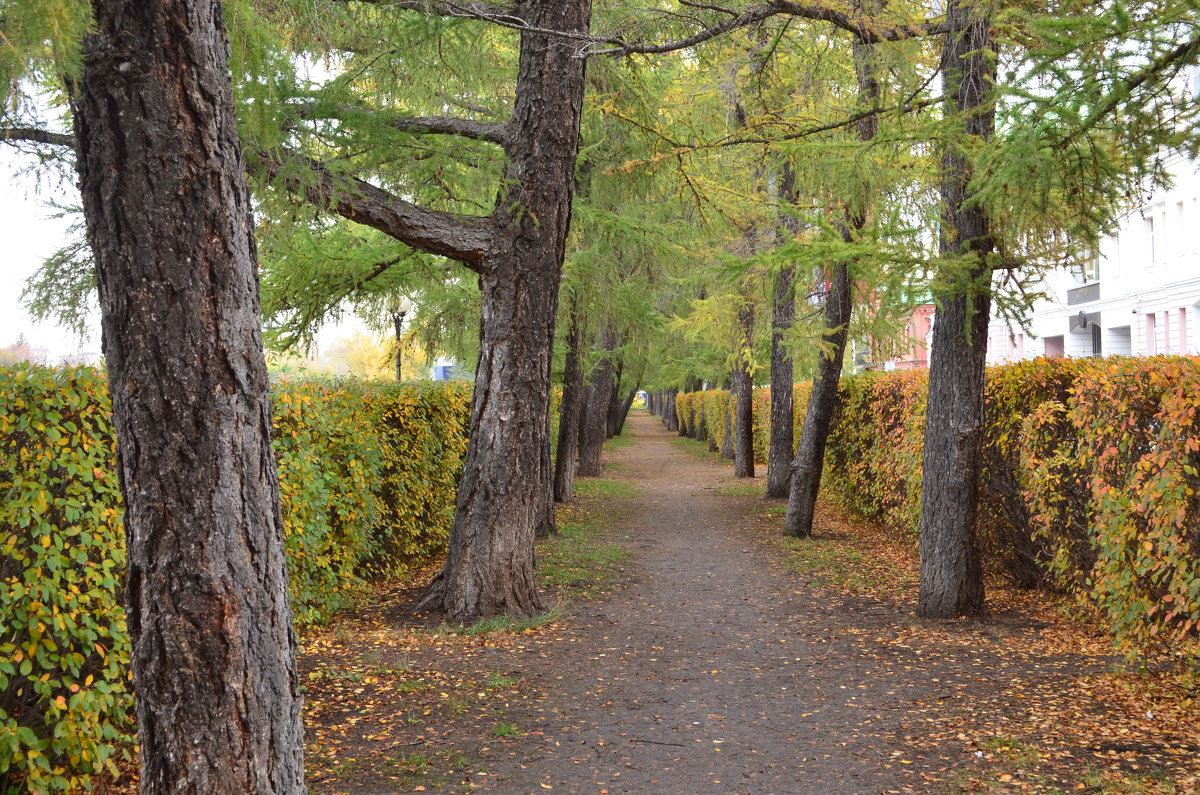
1089, 480
64, 702
1112, 479
368, 481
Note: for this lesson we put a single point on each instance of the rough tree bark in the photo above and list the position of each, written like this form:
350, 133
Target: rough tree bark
670, 409
593, 423
168, 216
727, 439
779, 455
743, 410
506, 482
951, 579
569, 412
613, 417
623, 410
823, 399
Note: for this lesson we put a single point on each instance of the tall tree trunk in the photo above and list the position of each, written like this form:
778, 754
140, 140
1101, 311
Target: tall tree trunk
594, 424
671, 410
743, 417
779, 456
506, 484
951, 579
569, 412
613, 417
783, 316
168, 216
623, 411
727, 439
823, 399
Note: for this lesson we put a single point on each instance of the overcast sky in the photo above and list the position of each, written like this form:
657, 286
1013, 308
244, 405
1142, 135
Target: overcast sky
27, 236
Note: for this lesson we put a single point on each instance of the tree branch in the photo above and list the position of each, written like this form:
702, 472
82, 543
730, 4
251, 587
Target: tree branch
865, 29
463, 238
1177, 57
491, 132
37, 136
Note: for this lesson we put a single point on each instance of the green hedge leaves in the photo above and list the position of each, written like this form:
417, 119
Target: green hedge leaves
368, 479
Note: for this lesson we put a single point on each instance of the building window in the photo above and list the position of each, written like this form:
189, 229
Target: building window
1096, 349
1183, 332
1151, 335
1087, 270
1055, 347
1149, 223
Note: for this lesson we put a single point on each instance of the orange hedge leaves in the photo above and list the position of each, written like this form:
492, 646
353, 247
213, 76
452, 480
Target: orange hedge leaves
1090, 478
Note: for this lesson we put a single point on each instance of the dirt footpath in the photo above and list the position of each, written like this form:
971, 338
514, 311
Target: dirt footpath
713, 670
721, 661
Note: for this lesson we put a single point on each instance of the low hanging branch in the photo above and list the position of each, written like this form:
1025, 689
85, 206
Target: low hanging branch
463, 238
487, 131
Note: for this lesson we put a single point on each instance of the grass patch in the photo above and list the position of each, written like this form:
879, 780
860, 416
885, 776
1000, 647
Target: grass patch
506, 623
829, 563
505, 729
498, 681
775, 510
751, 488
577, 562
618, 442
605, 488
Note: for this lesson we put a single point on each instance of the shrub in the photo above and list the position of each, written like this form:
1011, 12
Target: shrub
1089, 478
368, 478
64, 703
1113, 490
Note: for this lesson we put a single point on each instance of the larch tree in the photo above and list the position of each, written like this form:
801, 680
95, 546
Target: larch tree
515, 250
168, 218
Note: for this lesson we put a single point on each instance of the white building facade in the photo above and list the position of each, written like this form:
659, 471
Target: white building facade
1141, 297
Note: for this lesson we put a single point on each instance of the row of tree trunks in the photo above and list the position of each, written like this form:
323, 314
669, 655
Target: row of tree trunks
613, 409
593, 427
823, 400
670, 414
951, 579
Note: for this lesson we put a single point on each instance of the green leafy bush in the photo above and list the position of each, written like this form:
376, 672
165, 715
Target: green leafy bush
64, 701
368, 479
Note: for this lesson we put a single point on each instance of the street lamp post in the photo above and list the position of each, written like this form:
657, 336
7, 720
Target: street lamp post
401, 309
